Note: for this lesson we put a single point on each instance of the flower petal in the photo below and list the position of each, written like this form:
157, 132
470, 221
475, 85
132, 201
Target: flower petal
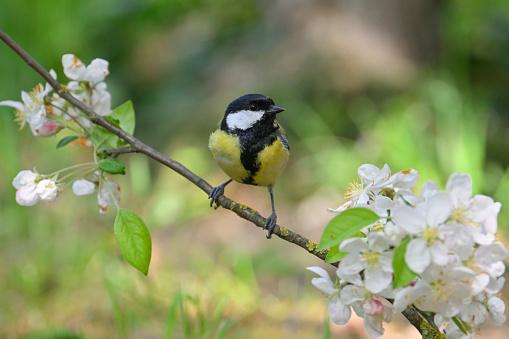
459, 186
438, 208
406, 179
409, 219
27, 195
15, 104
373, 325
417, 255
377, 280
339, 313
428, 189
350, 264
367, 173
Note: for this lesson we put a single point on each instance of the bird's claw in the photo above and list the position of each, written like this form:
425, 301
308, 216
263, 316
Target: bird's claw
215, 194
270, 223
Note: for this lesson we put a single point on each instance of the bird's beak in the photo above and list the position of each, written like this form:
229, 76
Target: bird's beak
276, 110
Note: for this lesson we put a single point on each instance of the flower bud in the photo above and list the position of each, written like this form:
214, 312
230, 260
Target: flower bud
24, 178
373, 307
83, 187
47, 190
27, 195
49, 128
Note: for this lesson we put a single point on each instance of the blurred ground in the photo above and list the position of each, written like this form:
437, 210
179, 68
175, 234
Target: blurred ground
416, 84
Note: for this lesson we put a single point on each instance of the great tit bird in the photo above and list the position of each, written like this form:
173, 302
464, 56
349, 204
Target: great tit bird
250, 146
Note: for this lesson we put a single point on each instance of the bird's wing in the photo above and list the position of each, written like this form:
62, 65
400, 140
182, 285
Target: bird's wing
282, 135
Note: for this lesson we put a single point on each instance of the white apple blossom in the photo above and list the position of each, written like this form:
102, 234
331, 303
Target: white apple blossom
442, 289
370, 255
25, 184
425, 221
74, 69
487, 262
339, 313
47, 190
32, 109
371, 179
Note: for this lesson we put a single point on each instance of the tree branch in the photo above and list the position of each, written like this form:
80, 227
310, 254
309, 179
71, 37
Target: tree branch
137, 146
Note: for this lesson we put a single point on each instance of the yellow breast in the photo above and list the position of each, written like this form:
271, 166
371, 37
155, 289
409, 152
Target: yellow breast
272, 160
226, 150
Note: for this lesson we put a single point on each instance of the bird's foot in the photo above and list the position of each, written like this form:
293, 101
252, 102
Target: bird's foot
270, 224
215, 194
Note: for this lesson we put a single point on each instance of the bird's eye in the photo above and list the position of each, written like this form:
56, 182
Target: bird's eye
253, 107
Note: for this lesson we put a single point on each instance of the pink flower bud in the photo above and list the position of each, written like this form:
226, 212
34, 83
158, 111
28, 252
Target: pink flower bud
373, 307
27, 195
49, 128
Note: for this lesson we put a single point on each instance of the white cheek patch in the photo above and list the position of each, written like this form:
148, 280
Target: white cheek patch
243, 119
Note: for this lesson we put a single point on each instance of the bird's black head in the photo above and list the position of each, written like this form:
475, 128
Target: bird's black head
250, 111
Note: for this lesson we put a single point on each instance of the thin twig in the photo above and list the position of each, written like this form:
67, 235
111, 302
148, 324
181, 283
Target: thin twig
137, 146
113, 153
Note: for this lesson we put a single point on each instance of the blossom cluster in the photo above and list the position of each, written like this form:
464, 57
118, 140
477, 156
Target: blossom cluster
450, 251
32, 187
47, 114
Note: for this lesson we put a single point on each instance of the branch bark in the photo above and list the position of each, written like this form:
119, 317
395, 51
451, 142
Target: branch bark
136, 146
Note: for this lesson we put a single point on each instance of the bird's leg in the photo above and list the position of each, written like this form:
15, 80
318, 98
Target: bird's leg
271, 220
216, 192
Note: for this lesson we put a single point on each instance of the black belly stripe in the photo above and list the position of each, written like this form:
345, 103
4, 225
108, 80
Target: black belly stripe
249, 156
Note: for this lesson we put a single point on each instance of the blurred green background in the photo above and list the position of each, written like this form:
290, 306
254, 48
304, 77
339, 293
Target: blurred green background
416, 84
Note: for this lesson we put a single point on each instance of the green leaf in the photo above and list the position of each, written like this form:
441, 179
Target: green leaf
112, 121
334, 255
103, 139
133, 239
461, 325
124, 114
113, 166
345, 225
359, 235
403, 275
65, 141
